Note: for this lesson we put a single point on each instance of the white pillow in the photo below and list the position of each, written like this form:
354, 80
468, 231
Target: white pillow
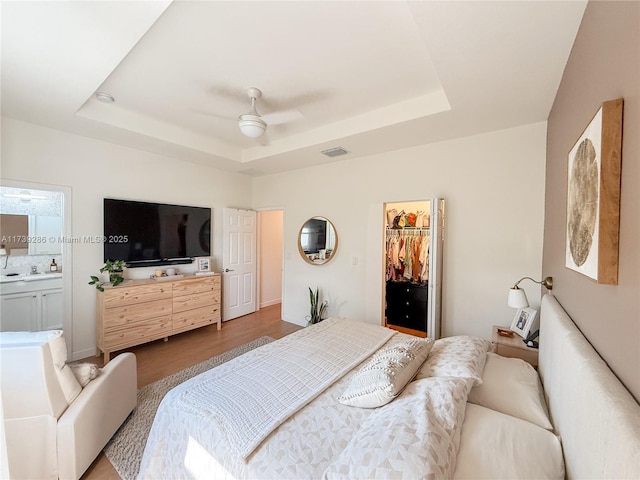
459, 356
383, 377
494, 445
84, 372
512, 386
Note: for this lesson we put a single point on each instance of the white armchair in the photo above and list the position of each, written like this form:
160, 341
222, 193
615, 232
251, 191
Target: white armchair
54, 428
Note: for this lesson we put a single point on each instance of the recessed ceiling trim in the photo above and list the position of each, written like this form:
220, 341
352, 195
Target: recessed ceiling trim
415, 108
112, 114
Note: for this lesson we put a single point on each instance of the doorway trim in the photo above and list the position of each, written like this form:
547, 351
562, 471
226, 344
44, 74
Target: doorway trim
67, 252
260, 253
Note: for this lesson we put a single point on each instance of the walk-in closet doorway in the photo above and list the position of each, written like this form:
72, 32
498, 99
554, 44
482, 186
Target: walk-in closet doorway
413, 236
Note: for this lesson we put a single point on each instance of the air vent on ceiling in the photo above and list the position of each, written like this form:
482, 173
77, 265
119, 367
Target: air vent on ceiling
335, 152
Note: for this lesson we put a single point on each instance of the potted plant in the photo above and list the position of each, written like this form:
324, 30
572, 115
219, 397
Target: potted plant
317, 309
115, 269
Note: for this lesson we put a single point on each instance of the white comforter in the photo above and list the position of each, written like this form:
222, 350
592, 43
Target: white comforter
249, 401
415, 436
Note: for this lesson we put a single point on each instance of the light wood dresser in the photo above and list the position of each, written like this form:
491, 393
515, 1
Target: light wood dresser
139, 311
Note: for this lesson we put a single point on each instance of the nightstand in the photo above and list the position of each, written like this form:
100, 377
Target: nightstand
513, 346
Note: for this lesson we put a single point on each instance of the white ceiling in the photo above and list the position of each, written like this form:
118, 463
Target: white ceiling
368, 76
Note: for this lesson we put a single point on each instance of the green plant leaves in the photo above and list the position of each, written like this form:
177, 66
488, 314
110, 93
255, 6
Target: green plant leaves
317, 310
115, 268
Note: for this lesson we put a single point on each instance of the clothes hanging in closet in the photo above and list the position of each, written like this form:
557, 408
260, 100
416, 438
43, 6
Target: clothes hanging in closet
407, 255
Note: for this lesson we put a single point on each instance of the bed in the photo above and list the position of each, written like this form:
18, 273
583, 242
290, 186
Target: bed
345, 399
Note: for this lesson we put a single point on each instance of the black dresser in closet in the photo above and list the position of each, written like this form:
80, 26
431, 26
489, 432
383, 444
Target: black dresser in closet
407, 305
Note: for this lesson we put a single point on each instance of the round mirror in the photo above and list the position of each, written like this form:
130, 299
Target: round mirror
317, 241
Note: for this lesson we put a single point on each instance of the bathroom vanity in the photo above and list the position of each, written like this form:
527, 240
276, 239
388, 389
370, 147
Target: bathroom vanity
31, 302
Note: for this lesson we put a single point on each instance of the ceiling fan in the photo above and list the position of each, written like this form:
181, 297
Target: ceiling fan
253, 125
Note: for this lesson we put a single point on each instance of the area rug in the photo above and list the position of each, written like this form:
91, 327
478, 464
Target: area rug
125, 449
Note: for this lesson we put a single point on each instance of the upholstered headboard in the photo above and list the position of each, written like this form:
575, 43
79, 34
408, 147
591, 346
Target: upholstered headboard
597, 419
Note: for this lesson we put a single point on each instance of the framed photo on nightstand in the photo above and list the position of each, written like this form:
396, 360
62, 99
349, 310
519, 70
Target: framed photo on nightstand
523, 321
204, 264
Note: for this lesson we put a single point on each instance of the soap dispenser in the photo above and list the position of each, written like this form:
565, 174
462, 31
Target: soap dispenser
54, 266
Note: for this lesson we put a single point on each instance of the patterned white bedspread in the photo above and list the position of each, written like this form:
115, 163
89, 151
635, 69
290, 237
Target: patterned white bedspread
250, 401
415, 436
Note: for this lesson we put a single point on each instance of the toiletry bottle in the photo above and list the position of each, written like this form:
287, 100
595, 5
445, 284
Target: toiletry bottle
54, 266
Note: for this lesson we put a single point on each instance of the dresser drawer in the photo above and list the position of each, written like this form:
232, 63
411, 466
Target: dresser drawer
412, 316
407, 292
118, 296
195, 318
137, 333
191, 287
180, 304
136, 312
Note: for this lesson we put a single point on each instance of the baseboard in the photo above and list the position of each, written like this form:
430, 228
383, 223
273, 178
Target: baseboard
89, 352
270, 302
295, 321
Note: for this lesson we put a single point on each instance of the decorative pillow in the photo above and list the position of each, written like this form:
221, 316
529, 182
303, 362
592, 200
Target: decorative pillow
512, 386
459, 356
84, 372
383, 377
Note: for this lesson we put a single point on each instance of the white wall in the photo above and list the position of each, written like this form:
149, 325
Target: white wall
94, 170
493, 185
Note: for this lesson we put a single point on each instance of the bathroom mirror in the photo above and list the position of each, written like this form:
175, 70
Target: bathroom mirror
317, 241
31, 221
31, 234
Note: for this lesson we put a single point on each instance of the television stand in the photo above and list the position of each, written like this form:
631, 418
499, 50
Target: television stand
140, 311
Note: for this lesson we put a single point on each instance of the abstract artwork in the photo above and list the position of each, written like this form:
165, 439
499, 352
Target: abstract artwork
593, 196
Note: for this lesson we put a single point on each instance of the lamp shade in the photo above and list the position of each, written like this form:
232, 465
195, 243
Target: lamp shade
517, 298
252, 125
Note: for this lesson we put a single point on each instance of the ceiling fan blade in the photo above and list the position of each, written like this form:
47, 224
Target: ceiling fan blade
213, 114
285, 116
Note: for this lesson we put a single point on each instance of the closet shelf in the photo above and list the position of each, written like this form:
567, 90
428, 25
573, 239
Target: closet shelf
408, 228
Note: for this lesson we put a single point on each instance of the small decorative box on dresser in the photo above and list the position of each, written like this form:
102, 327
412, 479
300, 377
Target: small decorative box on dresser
139, 311
512, 346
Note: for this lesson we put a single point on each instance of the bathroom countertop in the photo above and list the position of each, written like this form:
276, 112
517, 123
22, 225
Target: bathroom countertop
29, 277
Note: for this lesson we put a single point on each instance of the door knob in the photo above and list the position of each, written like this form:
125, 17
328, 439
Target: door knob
228, 270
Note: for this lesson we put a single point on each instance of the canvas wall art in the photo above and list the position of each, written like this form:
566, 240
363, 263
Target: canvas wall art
593, 196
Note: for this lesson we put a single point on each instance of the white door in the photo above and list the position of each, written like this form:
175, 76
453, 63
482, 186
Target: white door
239, 264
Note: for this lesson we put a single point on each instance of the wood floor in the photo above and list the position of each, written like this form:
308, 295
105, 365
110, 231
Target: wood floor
159, 359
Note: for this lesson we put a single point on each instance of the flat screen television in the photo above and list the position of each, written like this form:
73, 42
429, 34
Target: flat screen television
149, 234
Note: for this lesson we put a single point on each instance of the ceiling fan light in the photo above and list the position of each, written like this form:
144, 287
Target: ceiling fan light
252, 125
